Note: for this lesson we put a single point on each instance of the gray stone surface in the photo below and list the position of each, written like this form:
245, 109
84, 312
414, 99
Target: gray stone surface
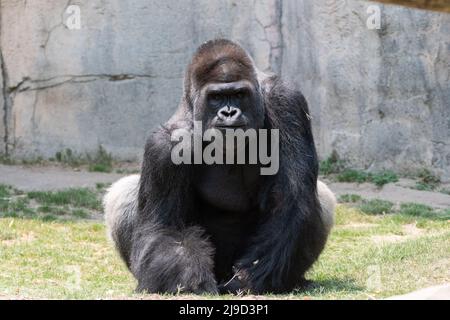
2, 111
50, 178
379, 98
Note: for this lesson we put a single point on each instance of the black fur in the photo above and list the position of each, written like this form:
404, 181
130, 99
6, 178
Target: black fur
183, 241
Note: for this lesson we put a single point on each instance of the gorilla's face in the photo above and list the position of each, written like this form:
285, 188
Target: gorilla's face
229, 105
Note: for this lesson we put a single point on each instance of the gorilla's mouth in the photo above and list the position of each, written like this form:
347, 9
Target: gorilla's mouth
230, 126
233, 124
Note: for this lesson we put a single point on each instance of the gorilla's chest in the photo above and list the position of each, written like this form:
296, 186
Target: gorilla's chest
228, 187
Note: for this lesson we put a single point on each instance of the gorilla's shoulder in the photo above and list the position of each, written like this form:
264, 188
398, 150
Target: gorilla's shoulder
285, 101
275, 88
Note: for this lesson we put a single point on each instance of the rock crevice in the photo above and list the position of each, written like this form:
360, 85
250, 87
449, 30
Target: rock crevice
7, 101
28, 84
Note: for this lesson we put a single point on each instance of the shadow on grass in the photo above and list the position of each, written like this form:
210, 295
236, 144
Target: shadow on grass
330, 286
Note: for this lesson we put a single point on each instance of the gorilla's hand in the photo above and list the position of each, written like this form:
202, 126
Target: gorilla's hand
193, 280
238, 284
189, 278
174, 262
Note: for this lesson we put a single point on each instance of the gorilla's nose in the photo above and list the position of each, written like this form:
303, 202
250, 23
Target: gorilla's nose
228, 114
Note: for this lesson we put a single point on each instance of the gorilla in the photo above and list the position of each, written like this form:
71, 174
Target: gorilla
224, 228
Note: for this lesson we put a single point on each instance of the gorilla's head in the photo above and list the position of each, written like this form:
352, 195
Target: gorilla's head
222, 88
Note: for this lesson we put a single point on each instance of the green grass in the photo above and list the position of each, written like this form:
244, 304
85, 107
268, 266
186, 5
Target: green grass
67, 156
5, 191
65, 204
423, 187
416, 209
127, 171
379, 178
80, 213
100, 161
420, 210
98, 167
101, 185
33, 161
341, 173
349, 198
376, 206
331, 165
427, 180
383, 177
14, 206
59, 260
79, 197
6, 160
351, 175
367, 256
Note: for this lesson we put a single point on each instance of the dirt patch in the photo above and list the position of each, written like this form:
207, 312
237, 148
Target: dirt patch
411, 230
386, 239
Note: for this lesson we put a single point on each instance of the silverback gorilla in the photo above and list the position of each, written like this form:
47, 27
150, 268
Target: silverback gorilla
224, 228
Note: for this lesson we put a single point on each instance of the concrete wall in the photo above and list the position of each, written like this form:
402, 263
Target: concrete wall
379, 98
2, 112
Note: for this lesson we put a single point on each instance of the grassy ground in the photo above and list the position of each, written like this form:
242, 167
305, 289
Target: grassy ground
376, 250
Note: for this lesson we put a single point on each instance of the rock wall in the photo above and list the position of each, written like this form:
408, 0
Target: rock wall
2, 112
379, 98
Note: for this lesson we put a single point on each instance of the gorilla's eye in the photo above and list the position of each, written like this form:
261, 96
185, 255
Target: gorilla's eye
214, 98
241, 94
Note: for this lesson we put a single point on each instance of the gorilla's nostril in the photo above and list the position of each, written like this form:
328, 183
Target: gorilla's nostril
225, 113
229, 112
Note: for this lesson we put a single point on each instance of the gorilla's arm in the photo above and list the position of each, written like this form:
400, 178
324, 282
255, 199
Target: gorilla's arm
166, 254
292, 232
